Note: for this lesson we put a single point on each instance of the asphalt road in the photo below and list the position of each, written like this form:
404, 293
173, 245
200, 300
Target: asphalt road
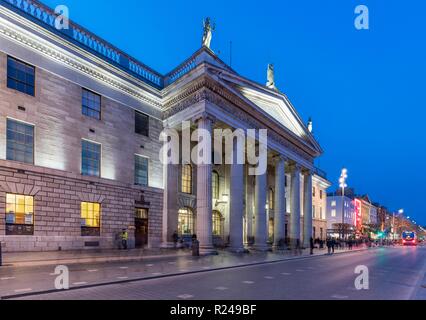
394, 273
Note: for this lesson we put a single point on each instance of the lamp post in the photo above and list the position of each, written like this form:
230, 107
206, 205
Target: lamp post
400, 211
343, 185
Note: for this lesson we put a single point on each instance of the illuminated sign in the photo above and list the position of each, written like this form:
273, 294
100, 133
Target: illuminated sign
358, 218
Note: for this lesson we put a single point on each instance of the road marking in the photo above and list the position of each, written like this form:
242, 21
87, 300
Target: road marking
122, 278
185, 296
149, 265
339, 297
92, 270
7, 278
286, 274
23, 290
221, 288
79, 283
300, 270
269, 277
206, 268
248, 282
124, 268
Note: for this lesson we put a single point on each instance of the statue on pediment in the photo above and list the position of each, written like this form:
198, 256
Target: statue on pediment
271, 77
208, 32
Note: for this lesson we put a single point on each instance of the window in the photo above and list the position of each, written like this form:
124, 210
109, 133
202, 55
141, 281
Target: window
141, 213
90, 219
321, 194
91, 104
333, 203
19, 215
141, 124
141, 171
91, 158
20, 142
313, 191
187, 178
20, 76
215, 185
185, 222
217, 223
313, 212
333, 213
271, 199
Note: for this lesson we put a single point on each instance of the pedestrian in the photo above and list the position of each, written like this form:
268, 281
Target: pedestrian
124, 238
328, 243
311, 242
333, 245
175, 239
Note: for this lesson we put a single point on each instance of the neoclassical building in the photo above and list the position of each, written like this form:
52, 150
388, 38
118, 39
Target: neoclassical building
80, 125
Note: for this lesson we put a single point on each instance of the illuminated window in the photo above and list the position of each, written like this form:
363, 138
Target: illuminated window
185, 222
217, 223
90, 219
333, 213
141, 171
141, 213
91, 104
19, 215
91, 158
333, 203
20, 142
271, 199
313, 212
215, 185
271, 230
141, 124
187, 178
20, 76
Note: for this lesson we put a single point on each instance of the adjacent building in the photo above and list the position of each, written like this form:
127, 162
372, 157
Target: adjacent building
80, 126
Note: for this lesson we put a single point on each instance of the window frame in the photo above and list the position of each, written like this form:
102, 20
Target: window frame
100, 158
19, 229
190, 216
215, 186
91, 231
138, 156
142, 133
9, 77
19, 122
83, 90
189, 181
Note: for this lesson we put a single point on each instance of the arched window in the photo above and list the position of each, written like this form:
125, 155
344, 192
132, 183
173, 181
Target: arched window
217, 223
187, 178
185, 222
215, 185
271, 199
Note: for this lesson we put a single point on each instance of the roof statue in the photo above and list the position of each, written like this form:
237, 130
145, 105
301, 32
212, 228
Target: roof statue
310, 125
208, 32
271, 77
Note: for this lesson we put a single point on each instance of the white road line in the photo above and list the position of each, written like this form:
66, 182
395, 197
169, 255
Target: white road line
79, 283
92, 270
221, 288
185, 296
286, 274
248, 282
269, 277
7, 278
339, 297
23, 290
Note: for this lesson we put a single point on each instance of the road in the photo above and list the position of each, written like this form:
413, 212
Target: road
394, 273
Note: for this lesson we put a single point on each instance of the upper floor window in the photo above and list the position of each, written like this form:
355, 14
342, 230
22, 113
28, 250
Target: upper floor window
20, 142
187, 178
141, 124
333, 203
91, 104
90, 158
321, 193
141, 171
215, 185
313, 212
333, 213
20, 76
313, 191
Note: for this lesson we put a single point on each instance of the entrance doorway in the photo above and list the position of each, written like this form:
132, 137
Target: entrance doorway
141, 227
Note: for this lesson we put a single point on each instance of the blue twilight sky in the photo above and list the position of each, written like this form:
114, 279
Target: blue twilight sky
365, 90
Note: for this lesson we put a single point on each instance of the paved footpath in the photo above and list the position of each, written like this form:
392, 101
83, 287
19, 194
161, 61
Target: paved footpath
394, 273
30, 276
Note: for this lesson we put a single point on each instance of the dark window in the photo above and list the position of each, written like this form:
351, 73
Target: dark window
91, 158
141, 171
20, 142
320, 194
141, 124
20, 76
91, 104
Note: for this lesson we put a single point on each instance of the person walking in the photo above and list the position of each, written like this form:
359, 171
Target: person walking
328, 243
333, 245
311, 242
124, 239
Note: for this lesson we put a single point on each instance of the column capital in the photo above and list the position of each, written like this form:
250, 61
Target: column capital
203, 116
307, 172
279, 157
295, 167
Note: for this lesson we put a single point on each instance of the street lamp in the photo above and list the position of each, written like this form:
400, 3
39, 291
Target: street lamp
343, 185
400, 211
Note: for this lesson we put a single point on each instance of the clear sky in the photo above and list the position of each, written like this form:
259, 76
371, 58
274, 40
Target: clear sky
365, 90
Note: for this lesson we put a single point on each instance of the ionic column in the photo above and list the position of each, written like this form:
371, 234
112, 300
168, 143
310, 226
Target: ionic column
307, 208
236, 200
280, 202
261, 226
295, 204
204, 185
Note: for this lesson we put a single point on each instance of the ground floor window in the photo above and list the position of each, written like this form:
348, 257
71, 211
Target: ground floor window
185, 222
19, 215
141, 227
217, 224
271, 230
90, 219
